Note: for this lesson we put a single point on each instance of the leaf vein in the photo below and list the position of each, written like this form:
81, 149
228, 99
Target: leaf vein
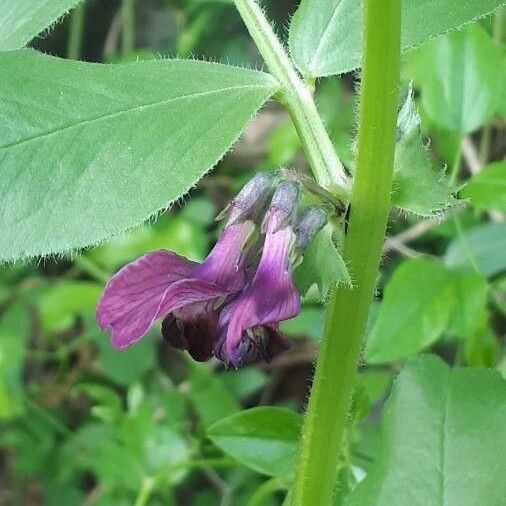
128, 110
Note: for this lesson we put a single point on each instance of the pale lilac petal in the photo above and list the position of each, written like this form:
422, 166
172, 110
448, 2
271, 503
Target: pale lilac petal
130, 300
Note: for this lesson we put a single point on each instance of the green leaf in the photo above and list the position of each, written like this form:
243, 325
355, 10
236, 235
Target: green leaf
102, 453
22, 20
174, 233
210, 397
326, 35
128, 366
487, 189
459, 79
90, 150
470, 309
60, 304
244, 382
443, 435
417, 304
308, 323
263, 438
322, 264
13, 337
486, 244
283, 144
375, 383
417, 188
501, 106
338, 109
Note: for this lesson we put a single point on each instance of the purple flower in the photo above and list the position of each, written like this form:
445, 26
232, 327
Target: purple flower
188, 294
249, 324
231, 304
162, 283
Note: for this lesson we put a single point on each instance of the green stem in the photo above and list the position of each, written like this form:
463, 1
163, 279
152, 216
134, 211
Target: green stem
50, 419
127, 27
86, 265
486, 136
465, 244
298, 99
454, 173
266, 489
147, 487
75, 39
456, 220
334, 380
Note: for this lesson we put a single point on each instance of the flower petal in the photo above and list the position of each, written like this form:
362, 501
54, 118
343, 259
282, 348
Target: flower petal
131, 298
225, 263
192, 328
270, 298
189, 291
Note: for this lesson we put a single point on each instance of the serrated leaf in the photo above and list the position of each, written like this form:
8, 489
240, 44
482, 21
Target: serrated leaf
415, 310
326, 35
322, 265
22, 20
90, 150
418, 187
459, 79
443, 435
487, 189
263, 438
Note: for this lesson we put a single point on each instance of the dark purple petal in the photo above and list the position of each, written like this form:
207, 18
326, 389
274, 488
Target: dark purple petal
225, 264
260, 342
130, 301
270, 298
192, 328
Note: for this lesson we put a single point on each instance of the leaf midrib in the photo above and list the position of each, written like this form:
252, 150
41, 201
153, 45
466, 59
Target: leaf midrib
324, 37
128, 110
442, 447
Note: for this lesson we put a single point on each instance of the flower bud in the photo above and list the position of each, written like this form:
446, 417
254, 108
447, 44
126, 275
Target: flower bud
309, 223
283, 206
250, 201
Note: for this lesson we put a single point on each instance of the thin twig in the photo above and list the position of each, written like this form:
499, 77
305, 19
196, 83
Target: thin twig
410, 234
471, 155
392, 243
222, 486
112, 37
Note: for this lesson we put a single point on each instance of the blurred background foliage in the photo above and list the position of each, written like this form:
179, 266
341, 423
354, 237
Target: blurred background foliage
84, 424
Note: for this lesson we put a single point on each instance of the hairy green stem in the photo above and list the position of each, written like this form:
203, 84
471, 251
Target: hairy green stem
127, 26
335, 375
75, 38
298, 99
